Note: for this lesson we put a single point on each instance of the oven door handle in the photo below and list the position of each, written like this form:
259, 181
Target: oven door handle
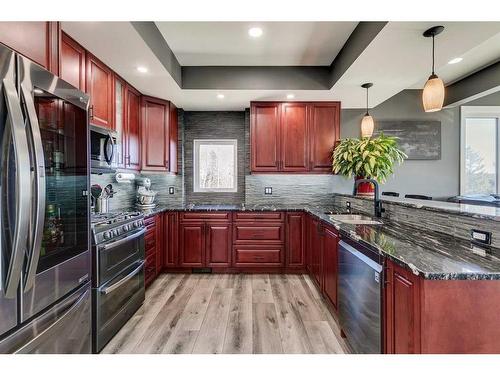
122, 281
123, 240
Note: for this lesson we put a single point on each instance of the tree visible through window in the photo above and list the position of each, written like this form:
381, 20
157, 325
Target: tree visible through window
215, 165
480, 153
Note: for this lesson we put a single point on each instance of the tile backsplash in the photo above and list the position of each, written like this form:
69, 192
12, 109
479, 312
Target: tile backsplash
294, 189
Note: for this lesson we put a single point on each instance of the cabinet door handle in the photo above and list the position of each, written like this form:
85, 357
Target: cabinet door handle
91, 112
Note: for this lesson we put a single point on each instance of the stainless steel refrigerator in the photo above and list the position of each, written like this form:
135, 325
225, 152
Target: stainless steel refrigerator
45, 302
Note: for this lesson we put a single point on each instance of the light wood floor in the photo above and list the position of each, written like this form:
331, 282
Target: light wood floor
230, 314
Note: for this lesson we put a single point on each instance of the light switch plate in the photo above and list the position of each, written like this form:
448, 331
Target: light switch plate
171, 190
268, 190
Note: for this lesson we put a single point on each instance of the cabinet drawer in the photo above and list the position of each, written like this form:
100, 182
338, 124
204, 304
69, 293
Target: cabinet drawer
149, 241
257, 216
258, 255
205, 216
268, 233
150, 224
150, 269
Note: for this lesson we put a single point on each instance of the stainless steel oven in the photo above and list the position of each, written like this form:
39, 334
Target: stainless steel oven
103, 150
118, 281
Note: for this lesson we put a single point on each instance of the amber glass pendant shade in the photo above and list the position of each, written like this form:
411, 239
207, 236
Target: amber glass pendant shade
433, 94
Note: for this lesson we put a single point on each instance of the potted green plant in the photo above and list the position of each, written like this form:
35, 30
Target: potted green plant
367, 158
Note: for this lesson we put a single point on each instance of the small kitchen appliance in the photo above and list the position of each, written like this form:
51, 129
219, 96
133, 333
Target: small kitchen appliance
145, 196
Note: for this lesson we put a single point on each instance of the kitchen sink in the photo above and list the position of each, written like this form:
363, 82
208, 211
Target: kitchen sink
354, 219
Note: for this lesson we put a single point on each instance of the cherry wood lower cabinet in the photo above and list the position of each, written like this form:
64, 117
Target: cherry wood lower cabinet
218, 244
204, 240
440, 316
330, 263
38, 41
316, 253
259, 240
152, 248
170, 239
295, 240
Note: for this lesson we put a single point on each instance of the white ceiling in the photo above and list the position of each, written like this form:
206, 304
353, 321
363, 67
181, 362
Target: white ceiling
400, 58
397, 59
282, 43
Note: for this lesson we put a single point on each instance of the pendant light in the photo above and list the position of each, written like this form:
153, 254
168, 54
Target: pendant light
367, 123
433, 94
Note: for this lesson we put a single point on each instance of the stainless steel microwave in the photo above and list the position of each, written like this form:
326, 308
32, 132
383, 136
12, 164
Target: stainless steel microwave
103, 150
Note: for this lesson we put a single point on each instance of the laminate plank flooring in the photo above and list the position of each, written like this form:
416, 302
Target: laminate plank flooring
233, 314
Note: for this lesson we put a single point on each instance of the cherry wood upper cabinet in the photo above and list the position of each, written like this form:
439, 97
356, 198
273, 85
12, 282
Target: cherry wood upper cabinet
38, 41
155, 137
132, 134
99, 86
159, 137
294, 137
173, 138
324, 132
119, 119
72, 62
265, 136
295, 240
330, 264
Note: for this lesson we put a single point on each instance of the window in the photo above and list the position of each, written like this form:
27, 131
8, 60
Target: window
480, 154
215, 165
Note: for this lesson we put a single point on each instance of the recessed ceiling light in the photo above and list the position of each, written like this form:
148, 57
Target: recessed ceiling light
142, 69
290, 96
255, 32
456, 60
220, 96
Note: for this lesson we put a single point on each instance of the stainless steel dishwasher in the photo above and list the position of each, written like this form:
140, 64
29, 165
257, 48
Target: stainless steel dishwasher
360, 297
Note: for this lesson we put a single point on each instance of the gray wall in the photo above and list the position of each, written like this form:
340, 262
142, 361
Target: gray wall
214, 125
438, 178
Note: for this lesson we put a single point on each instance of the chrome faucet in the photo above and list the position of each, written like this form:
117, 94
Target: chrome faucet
376, 199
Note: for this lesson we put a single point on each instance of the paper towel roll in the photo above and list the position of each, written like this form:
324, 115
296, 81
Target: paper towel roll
125, 178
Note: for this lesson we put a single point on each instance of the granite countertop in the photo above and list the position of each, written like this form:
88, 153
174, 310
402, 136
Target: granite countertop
431, 255
471, 210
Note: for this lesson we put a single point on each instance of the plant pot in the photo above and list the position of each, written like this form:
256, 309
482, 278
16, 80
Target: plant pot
365, 189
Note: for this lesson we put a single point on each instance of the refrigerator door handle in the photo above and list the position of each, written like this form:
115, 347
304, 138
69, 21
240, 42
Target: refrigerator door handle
23, 188
39, 197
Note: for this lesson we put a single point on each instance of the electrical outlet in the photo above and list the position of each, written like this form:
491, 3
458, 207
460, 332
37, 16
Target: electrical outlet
171, 190
480, 237
268, 190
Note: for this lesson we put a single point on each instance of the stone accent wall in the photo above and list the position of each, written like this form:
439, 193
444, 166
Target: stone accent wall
214, 125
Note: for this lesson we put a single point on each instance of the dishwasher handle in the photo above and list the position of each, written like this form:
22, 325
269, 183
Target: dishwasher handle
358, 254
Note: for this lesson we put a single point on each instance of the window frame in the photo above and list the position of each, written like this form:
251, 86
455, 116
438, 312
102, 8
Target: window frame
196, 173
478, 112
